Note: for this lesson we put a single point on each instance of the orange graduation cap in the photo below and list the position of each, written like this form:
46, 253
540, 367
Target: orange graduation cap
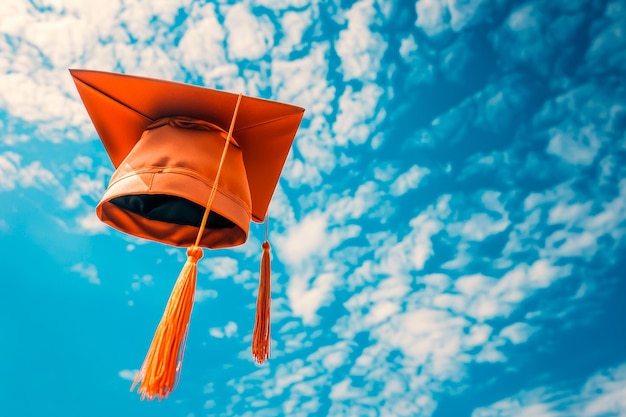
193, 167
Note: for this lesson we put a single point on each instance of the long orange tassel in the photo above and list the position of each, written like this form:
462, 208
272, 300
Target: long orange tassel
160, 371
261, 339
161, 368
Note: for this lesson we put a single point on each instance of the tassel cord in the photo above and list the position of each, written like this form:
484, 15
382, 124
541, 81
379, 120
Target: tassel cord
209, 203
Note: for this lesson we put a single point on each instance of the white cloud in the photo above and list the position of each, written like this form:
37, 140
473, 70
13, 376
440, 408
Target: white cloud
478, 227
83, 186
90, 223
408, 47
304, 81
461, 259
606, 51
518, 332
71, 35
578, 147
204, 294
203, 37
478, 335
566, 244
470, 285
228, 331
429, 337
490, 353
293, 25
360, 48
248, 36
522, 281
139, 281
128, 374
415, 248
87, 271
305, 239
580, 223
521, 39
307, 295
40, 100
83, 163
356, 206
408, 180
34, 175
282, 4
609, 220
219, 267
359, 114
333, 356
422, 70
568, 214
385, 173
604, 393
430, 16
434, 17
9, 168
305, 246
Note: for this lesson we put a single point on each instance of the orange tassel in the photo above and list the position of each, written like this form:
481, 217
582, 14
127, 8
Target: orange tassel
160, 371
261, 336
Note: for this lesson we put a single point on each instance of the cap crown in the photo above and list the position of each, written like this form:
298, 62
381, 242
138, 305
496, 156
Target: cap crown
160, 190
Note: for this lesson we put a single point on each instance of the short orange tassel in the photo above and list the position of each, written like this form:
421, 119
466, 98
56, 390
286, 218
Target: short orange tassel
160, 371
261, 340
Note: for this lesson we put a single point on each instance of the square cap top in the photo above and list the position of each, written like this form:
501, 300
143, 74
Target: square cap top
122, 106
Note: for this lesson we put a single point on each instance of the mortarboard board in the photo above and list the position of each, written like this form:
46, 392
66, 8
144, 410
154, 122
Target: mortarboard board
193, 167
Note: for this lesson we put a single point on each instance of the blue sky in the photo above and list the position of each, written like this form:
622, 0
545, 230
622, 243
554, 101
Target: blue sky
448, 233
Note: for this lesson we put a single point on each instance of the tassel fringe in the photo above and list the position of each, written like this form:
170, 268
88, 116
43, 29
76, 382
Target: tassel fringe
161, 369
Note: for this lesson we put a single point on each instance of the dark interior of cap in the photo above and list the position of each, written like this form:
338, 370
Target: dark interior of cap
171, 209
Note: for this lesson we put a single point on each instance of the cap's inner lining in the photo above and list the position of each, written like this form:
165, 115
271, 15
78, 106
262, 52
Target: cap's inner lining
170, 209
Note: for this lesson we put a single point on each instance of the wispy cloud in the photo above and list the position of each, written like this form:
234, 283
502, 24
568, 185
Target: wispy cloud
204, 294
361, 48
87, 271
603, 393
435, 17
128, 374
12, 173
247, 36
229, 330
408, 180
89, 223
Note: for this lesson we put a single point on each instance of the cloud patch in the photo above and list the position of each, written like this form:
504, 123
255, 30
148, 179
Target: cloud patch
87, 271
